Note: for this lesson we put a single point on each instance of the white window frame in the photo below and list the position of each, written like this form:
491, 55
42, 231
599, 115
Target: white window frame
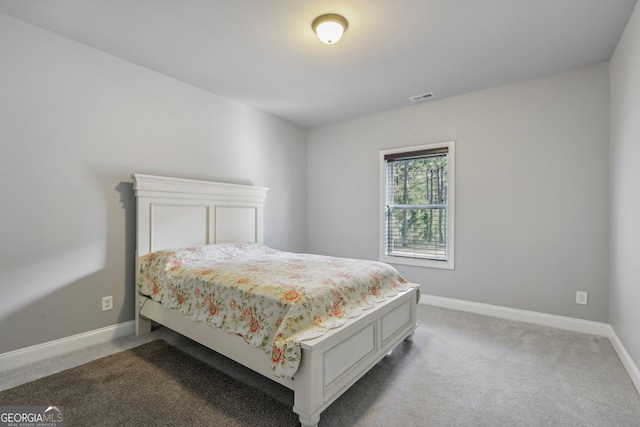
420, 262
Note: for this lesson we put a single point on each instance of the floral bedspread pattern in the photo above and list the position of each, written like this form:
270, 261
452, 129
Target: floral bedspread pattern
273, 299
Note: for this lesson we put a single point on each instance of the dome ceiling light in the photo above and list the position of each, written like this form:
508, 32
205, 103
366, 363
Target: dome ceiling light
329, 27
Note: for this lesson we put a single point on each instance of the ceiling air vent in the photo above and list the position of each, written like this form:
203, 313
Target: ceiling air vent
423, 97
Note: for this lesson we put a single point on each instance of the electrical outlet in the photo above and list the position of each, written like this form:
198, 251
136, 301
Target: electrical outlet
107, 303
582, 297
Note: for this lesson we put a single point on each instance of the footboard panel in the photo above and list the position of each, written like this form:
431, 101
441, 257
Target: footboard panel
332, 363
396, 322
348, 355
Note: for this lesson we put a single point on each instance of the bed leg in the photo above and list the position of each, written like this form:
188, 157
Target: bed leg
143, 326
310, 422
409, 337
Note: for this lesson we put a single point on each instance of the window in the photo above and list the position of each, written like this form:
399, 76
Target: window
417, 194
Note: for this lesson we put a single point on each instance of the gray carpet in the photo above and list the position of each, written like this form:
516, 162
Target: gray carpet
151, 385
470, 370
461, 370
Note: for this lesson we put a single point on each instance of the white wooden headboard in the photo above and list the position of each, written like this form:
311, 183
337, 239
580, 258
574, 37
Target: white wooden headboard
178, 213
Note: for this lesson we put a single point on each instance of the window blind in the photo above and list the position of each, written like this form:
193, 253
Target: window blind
416, 204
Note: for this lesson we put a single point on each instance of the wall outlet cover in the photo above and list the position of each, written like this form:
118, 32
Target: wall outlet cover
582, 297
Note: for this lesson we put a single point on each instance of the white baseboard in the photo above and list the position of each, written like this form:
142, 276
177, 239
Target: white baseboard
554, 321
625, 358
543, 319
36, 353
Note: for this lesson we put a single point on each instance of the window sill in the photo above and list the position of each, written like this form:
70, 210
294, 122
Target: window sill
418, 262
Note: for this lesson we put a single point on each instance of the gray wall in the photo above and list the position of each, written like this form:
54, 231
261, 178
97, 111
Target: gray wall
625, 188
75, 123
531, 191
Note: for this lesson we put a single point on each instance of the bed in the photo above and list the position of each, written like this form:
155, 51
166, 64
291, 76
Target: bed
177, 217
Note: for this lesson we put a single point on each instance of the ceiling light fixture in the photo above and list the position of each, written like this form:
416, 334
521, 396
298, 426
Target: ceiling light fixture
329, 27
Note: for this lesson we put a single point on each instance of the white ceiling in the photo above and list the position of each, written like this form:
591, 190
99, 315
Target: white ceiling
263, 52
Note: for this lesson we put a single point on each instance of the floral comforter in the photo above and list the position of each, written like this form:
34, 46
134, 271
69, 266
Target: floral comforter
273, 299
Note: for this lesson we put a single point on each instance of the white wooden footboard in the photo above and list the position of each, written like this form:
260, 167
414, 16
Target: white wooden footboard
335, 361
